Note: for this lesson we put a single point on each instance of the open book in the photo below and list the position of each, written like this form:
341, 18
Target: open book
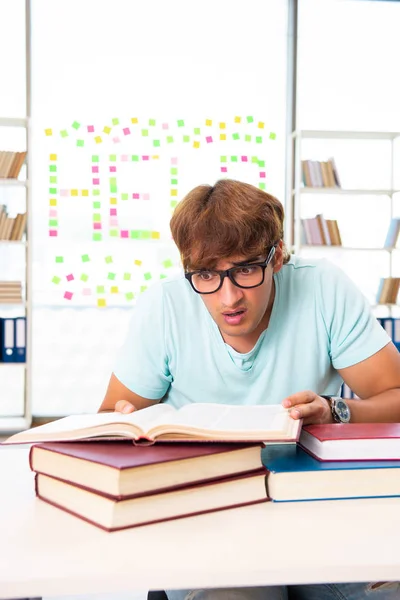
192, 422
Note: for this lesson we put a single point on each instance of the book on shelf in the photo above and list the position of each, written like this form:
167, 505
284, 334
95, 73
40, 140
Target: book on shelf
320, 174
318, 231
163, 422
13, 339
352, 441
294, 475
11, 164
121, 469
113, 514
392, 234
388, 290
10, 292
11, 228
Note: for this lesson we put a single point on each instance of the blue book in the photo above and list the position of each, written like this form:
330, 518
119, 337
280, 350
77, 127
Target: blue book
294, 475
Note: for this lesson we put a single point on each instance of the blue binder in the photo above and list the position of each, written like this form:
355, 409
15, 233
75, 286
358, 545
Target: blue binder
7, 340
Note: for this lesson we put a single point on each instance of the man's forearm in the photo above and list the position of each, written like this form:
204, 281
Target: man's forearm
383, 408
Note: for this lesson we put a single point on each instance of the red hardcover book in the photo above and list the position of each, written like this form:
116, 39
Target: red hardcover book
112, 514
352, 441
121, 470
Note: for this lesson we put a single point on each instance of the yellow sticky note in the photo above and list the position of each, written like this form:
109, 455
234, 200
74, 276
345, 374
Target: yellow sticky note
53, 202
101, 302
260, 125
155, 156
174, 192
222, 136
208, 122
238, 119
138, 263
85, 192
155, 235
107, 130
222, 125
98, 139
134, 120
74, 192
53, 156
114, 289
113, 201
196, 144
48, 131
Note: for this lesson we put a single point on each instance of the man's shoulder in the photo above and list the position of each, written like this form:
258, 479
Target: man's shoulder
312, 271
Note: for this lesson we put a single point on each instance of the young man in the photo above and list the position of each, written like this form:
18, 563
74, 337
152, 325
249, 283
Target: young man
249, 324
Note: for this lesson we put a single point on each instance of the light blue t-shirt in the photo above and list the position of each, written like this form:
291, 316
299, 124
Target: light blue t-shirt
320, 322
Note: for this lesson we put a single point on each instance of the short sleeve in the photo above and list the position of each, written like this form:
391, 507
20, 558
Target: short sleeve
354, 333
142, 364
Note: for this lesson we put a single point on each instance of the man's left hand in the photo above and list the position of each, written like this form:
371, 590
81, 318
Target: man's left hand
308, 406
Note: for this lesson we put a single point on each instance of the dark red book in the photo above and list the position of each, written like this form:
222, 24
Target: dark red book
352, 441
112, 514
121, 470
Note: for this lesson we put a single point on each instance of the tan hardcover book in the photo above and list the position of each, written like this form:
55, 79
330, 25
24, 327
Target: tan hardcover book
307, 231
394, 290
19, 163
3, 219
324, 171
385, 291
8, 228
338, 236
331, 176
14, 165
323, 227
22, 226
335, 172
8, 164
3, 154
306, 173
15, 229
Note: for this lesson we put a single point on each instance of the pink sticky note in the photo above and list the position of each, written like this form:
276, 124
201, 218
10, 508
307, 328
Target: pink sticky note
96, 181
96, 225
124, 233
68, 295
113, 212
113, 169
90, 128
136, 196
224, 170
52, 212
114, 222
209, 139
164, 125
70, 277
64, 192
116, 140
262, 174
146, 196
53, 233
126, 130
124, 157
174, 161
244, 158
145, 157
87, 292
95, 169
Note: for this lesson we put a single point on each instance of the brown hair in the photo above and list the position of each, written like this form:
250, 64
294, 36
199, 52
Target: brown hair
230, 218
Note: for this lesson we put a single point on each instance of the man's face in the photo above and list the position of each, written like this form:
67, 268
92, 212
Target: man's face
239, 312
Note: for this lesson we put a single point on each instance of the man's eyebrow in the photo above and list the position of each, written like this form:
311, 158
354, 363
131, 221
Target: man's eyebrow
248, 261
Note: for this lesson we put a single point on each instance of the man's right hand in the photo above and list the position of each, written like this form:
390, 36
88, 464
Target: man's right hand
123, 406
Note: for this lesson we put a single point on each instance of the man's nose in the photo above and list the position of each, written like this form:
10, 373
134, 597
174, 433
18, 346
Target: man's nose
229, 293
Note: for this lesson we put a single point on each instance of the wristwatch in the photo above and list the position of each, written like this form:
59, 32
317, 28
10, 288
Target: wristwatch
339, 408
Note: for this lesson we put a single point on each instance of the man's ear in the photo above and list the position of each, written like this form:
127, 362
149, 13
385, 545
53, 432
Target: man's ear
278, 257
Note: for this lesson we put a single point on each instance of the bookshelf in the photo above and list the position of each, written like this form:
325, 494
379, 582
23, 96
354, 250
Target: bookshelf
299, 194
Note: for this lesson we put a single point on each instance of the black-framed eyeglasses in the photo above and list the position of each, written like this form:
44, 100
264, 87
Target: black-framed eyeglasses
251, 275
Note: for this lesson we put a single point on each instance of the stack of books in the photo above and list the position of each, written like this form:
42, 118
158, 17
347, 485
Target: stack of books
11, 164
10, 292
207, 457
11, 228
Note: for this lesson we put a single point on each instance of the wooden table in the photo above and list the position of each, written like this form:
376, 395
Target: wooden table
46, 552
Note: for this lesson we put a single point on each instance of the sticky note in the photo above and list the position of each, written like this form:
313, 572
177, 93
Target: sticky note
209, 139
64, 133
111, 276
165, 126
145, 157
167, 263
114, 289
80, 143
53, 156
170, 139
244, 158
247, 138
155, 235
113, 188
48, 131
53, 223
259, 139
97, 217
124, 157
134, 120
114, 233
56, 280
101, 302
174, 192
126, 131
196, 131
129, 296
181, 123
97, 226
173, 203
113, 212
222, 125
53, 202
76, 125
90, 128
53, 179
174, 160
98, 139
107, 130
143, 288
108, 259
156, 143
127, 276
223, 159
162, 276
95, 158
235, 136
249, 119
186, 138
136, 196
70, 277
95, 169
53, 233
74, 192
224, 170
85, 258
272, 136
96, 181
53, 168
138, 263
100, 289
87, 292
97, 204
59, 259
262, 174
124, 233
135, 157
254, 159
261, 163
113, 201
261, 185
145, 132
222, 136
115, 121
84, 277
173, 171
116, 140
95, 192
260, 125
174, 182
113, 169
237, 119
68, 295
152, 122
234, 158
52, 190
208, 122
97, 237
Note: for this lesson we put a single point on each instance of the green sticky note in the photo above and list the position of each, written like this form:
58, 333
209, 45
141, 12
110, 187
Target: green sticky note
234, 158
96, 204
76, 125
254, 159
259, 139
52, 190
181, 123
174, 182
162, 276
152, 122
56, 279
156, 143
135, 157
261, 163
64, 133
113, 188
53, 168
53, 222
95, 192
127, 276
100, 289
59, 259
235, 136
111, 276
80, 143
167, 263
196, 131
129, 296
84, 277
97, 217
113, 157
247, 138
53, 179
115, 121
95, 158
124, 196
145, 235
97, 237
134, 234
85, 258
143, 288
223, 159
173, 203
186, 138
261, 185
145, 132
249, 119
272, 136
174, 171
170, 139
114, 233
108, 259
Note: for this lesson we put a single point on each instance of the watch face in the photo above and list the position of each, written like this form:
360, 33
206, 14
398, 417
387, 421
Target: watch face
342, 411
